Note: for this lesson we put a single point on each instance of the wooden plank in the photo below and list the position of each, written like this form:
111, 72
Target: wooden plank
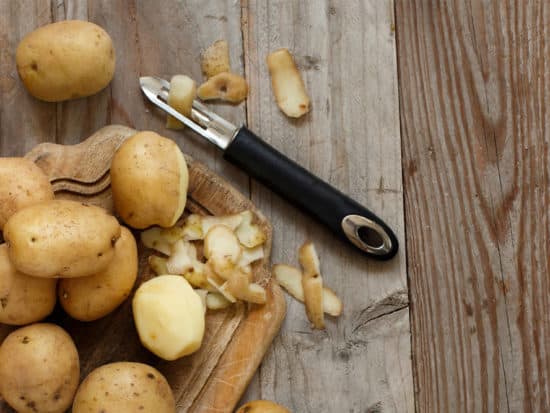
474, 88
346, 52
24, 121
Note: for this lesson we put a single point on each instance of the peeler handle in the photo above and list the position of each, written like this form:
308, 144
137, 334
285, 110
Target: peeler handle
344, 216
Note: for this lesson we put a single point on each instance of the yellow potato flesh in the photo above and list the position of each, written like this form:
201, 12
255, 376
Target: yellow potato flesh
169, 317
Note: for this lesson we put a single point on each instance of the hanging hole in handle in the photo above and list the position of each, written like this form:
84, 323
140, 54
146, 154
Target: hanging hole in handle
366, 234
370, 236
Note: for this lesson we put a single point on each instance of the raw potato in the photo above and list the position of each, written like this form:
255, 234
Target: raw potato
182, 93
215, 59
66, 60
312, 284
22, 184
290, 278
61, 239
224, 86
169, 317
39, 369
90, 298
262, 406
287, 84
23, 299
124, 387
149, 181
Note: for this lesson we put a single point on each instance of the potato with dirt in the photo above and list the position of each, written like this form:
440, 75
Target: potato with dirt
61, 239
39, 369
124, 387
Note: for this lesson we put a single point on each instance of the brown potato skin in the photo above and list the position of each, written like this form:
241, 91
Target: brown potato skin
61, 239
23, 299
39, 369
90, 298
65, 60
22, 184
262, 406
145, 180
124, 387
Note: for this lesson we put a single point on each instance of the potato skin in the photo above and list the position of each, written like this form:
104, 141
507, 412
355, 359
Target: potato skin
61, 239
22, 184
124, 387
90, 298
23, 299
65, 60
149, 181
39, 369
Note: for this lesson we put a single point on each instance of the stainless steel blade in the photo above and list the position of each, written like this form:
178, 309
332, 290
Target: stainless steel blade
214, 128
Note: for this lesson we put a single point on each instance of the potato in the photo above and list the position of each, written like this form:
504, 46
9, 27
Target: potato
23, 299
169, 316
215, 59
61, 239
95, 296
65, 60
287, 84
22, 184
312, 284
124, 388
39, 369
149, 181
182, 93
262, 406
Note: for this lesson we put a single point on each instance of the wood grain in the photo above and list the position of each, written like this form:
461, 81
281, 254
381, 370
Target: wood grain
213, 378
346, 53
474, 90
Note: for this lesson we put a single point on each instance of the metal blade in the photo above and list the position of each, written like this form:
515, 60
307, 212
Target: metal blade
209, 125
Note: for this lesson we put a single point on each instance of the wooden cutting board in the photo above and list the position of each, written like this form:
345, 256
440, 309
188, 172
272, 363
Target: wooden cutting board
214, 378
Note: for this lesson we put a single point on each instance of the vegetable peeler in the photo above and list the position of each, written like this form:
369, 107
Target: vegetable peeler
345, 217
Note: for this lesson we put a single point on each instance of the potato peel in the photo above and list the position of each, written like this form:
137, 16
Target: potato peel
290, 278
287, 84
250, 235
225, 86
215, 59
152, 238
312, 283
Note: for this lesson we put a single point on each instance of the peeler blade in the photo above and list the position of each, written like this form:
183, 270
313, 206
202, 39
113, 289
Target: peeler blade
214, 128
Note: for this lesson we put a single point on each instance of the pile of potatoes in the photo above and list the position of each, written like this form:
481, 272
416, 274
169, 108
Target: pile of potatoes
79, 255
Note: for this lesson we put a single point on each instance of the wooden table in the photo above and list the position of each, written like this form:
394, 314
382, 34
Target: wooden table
432, 113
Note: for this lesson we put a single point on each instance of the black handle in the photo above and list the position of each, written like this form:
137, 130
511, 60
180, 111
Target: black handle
341, 214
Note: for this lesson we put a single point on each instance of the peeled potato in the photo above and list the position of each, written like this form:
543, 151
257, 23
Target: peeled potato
287, 83
124, 387
149, 181
22, 184
215, 59
224, 86
23, 299
90, 298
169, 317
182, 93
262, 406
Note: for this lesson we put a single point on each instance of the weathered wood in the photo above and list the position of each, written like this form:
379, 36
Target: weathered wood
474, 90
235, 340
346, 53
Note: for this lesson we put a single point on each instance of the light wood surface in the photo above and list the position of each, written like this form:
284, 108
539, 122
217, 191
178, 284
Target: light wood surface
468, 82
214, 378
474, 92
